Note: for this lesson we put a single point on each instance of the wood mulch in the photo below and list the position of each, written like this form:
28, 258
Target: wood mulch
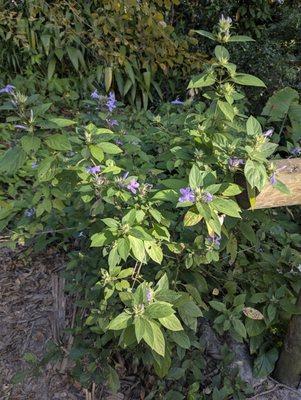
34, 313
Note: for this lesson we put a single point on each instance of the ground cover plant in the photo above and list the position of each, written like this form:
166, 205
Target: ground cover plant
144, 205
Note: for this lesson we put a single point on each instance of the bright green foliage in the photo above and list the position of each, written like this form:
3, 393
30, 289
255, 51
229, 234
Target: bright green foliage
157, 240
127, 45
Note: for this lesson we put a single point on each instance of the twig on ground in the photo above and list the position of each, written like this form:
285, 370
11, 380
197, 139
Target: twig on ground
283, 385
264, 393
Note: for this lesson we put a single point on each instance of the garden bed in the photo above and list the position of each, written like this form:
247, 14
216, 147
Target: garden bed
34, 313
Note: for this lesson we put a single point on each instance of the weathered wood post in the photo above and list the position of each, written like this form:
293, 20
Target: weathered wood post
288, 171
288, 368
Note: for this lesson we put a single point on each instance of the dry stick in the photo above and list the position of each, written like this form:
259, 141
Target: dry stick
265, 392
296, 391
69, 345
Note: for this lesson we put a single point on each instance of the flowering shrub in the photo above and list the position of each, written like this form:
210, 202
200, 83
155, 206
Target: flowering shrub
154, 221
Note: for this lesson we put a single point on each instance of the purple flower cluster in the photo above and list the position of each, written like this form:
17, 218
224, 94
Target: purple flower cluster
112, 122
95, 95
149, 295
187, 194
214, 240
119, 142
207, 197
234, 163
268, 133
296, 151
34, 165
29, 213
133, 186
94, 169
177, 101
7, 89
21, 127
273, 179
111, 102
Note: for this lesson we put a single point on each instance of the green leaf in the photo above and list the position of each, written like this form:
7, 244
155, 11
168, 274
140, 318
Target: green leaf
140, 324
137, 247
195, 177
265, 363
120, 322
226, 109
61, 122
51, 68
58, 142
153, 336
226, 206
206, 34
279, 104
166, 195
255, 174
12, 160
159, 309
218, 306
98, 239
124, 247
221, 53
108, 78
109, 148
240, 38
154, 251
192, 217
190, 309
239, 328
203, 80
171, 322
181, 339
96, 152
112, 379
159, 341
254, 327
248, 80
253, 127
73, 55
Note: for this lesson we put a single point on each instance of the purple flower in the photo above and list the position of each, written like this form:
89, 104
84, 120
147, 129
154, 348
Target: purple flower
21, 127
273, 179
34, 165
133, 186
214, 240
234, 163
119, 142
111, 102
95, 95
177, 101
112, 122
94, 169
207, 197
7, 89
295, 151
268, 133
29, 212
149, 295
187, 194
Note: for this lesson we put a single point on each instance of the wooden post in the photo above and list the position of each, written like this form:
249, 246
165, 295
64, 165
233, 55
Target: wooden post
288, 171
288, 368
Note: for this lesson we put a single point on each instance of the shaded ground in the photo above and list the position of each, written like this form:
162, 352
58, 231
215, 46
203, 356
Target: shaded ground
33, 314
30, 319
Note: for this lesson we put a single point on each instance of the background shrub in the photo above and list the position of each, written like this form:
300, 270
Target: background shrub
128, 46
